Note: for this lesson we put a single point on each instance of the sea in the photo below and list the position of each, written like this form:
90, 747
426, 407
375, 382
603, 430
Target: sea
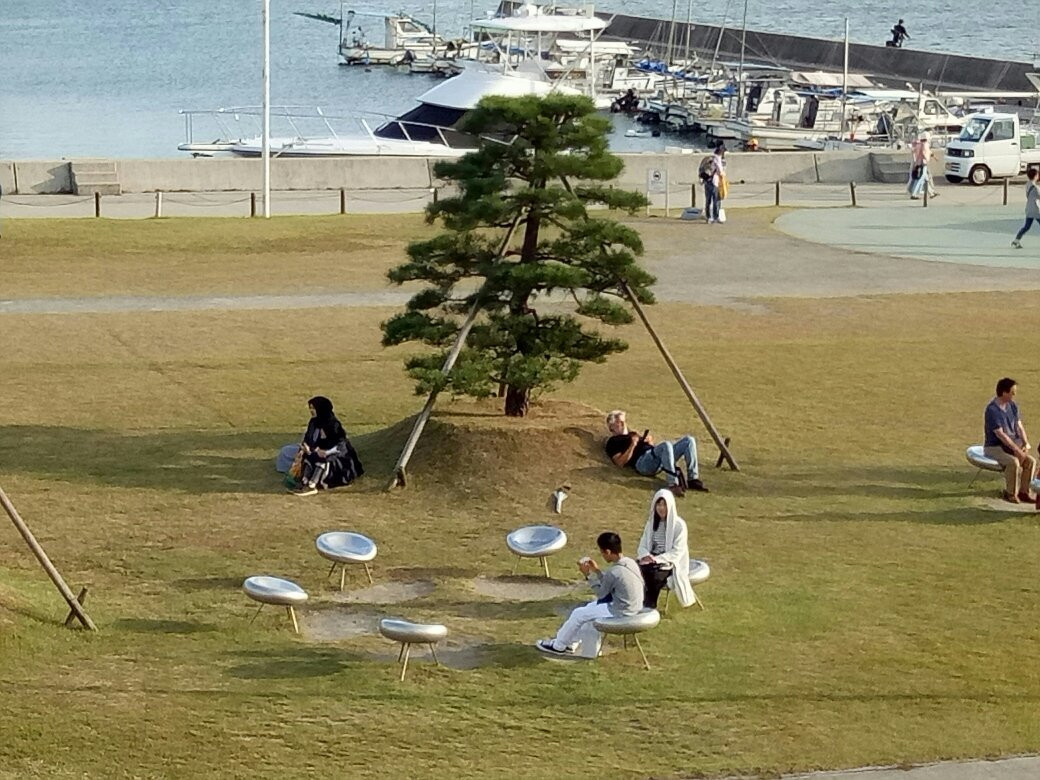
109, 78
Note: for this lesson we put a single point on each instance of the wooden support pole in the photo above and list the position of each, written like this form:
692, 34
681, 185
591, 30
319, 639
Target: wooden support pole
342, 200
925, 201
776, 194
677, 373
80, 597
158, 204
1005, 191
433, 195
693, 195
252, 204
97, 204
45, 562
852, 192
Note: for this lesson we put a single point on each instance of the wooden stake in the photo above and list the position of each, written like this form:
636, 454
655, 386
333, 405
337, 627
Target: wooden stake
252, 204
97, 204
81, 597
677, 373
852, 191
342, 200
45, 562
1005, 191
776, 196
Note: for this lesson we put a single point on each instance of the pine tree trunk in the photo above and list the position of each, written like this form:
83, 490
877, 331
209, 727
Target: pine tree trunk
518, 401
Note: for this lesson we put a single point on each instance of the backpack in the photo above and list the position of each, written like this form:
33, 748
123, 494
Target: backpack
704, 171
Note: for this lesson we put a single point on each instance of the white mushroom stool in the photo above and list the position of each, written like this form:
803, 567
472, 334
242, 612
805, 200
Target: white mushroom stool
409, 634
978, 458
275, 590
343, 547
536, 541
699, 572
630, 625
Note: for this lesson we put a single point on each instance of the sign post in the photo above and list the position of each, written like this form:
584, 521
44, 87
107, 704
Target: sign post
656, 183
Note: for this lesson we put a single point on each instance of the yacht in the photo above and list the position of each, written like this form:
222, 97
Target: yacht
431, 129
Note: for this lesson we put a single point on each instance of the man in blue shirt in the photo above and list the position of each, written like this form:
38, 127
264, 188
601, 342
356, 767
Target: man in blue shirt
1006, 442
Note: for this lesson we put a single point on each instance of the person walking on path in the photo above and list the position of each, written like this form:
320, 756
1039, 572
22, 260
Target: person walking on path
712, 172
1007, 443
920, 176
1032, 205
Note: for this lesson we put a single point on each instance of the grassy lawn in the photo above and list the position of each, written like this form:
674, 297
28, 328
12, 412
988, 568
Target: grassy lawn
864, 606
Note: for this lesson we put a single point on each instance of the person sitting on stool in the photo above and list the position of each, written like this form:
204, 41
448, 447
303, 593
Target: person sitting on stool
663, 554
619, 593
1006, 442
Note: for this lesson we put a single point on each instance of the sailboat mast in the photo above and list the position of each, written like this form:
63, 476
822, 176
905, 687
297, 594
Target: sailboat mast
740, 67
844, 80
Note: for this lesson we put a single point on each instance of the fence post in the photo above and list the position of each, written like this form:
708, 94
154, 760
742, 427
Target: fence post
158, 203
667, 201
1005, 191
434, 195
342, 200
852, 191
776, 196
693, 195
252, 204
97, 204
925, 203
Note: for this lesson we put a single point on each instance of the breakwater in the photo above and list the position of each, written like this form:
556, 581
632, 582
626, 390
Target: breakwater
44, 177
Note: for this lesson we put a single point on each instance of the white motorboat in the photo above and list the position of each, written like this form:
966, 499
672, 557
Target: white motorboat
431, 129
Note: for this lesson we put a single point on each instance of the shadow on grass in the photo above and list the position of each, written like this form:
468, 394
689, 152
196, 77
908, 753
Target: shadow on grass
291, 663
188, 461
149, 626
209, 583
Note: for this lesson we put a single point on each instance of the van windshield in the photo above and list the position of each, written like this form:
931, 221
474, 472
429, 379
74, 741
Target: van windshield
975, 129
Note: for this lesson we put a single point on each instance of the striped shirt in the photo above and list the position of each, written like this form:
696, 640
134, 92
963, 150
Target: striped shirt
659, 540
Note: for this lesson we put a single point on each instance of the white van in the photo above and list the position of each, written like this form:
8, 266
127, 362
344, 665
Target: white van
990, 146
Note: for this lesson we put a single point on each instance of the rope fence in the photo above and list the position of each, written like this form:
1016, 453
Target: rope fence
672, 196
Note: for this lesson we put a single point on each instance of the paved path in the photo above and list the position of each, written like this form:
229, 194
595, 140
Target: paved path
1022, 768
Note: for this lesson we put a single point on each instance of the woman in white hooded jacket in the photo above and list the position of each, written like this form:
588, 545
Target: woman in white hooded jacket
664, 554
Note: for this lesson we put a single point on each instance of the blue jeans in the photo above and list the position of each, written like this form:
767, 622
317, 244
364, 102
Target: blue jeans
1025, 227
711, 200
666, 455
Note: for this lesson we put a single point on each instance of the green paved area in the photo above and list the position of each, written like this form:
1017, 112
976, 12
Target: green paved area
978, 235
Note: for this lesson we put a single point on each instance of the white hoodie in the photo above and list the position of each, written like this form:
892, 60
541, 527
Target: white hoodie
677, 550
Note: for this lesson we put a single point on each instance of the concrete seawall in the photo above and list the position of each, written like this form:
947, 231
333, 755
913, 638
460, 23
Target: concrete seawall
42, 177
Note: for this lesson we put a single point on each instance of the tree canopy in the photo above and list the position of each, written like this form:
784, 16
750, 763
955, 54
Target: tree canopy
519, 234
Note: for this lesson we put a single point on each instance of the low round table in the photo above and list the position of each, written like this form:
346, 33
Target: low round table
346, 547
277, 591
408, 634
536, 541
630, 625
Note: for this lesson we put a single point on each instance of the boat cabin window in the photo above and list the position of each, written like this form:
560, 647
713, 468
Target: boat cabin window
931, 108
1003, 130
428, 123
409, 27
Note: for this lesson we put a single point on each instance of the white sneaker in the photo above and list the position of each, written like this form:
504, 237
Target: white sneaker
1016, 244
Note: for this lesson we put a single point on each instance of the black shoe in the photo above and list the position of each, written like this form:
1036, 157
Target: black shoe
696, 484
546, 646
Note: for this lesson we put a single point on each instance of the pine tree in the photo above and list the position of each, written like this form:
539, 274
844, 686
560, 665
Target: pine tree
541, 163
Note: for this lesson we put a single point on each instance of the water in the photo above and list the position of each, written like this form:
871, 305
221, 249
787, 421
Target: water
106, 78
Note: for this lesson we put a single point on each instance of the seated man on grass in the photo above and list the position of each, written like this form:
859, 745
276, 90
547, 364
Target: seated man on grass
1006, 442
626, 448
619, 593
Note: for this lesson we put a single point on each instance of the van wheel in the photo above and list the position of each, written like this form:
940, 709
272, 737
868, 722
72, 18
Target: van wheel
954, 179
979, 175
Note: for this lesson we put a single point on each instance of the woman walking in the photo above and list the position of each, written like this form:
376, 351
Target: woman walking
1032, 205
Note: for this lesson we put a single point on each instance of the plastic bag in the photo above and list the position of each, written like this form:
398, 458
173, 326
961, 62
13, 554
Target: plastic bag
722, 215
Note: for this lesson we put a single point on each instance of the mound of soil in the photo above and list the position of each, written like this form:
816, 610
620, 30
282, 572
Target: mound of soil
471, 446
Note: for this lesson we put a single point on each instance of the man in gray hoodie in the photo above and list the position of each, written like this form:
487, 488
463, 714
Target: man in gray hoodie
619, 592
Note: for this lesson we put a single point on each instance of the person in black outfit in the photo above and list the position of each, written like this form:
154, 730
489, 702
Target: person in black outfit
329, 460
899, 34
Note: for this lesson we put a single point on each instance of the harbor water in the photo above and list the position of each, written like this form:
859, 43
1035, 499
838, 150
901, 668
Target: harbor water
108, 78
